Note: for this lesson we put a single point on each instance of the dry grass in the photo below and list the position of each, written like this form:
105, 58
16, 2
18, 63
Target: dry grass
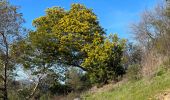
151, 63
140, 90
106, 88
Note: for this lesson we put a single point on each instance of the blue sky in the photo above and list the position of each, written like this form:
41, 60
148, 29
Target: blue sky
114, 15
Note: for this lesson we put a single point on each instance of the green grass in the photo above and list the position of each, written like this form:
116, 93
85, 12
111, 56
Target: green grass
139, 90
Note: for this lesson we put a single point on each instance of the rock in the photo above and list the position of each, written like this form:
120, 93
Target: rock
76, 98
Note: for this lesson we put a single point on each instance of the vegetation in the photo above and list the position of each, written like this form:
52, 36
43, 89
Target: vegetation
148, 70
104, 61
139, 90
68, 54
58, 44
10, 26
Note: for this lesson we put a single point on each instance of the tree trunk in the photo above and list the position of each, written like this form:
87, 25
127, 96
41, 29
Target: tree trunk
6, 61
34, 90
5, 82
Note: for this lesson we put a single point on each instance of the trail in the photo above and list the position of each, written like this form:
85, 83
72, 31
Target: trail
164, 96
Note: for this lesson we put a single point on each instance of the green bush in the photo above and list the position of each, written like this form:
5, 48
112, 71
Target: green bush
133, 72
161, 70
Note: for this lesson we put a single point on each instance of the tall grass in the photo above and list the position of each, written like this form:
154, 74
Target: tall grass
139, 90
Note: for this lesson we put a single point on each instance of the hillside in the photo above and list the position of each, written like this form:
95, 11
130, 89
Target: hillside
155, 88
71, 50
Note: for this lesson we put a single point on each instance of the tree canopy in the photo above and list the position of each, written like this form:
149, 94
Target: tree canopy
72, 38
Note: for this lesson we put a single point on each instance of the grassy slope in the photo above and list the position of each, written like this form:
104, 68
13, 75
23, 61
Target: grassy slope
139, 90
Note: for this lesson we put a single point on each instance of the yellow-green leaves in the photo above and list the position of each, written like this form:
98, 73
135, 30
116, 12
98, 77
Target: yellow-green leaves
75, 38
104, 60
63, 35
73, 28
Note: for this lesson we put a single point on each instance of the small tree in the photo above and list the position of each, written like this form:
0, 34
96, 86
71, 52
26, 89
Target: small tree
73, 79
104, 60
10, 28
152, 31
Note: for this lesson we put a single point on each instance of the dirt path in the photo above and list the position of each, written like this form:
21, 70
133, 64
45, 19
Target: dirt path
167, 96
164, 96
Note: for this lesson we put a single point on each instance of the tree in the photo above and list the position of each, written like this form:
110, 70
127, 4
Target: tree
70, 32
152, 31
10, 28
152, 34
39, 63
133, 54
73, 79
168, 8
67, 39
57, 42
104, 60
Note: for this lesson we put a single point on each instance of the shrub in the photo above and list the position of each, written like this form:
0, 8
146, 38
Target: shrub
133, 72
160, 71
166, 63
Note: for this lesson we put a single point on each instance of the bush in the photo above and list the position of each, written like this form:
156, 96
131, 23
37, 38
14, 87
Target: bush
163, 68
104, 60
166, 63
60, 89
160, 71
133, 72
77, 80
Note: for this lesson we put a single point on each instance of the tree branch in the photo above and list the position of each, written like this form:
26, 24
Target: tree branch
76, 65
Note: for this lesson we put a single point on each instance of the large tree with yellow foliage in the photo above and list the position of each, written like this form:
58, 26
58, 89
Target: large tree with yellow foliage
70, 38
67, 33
